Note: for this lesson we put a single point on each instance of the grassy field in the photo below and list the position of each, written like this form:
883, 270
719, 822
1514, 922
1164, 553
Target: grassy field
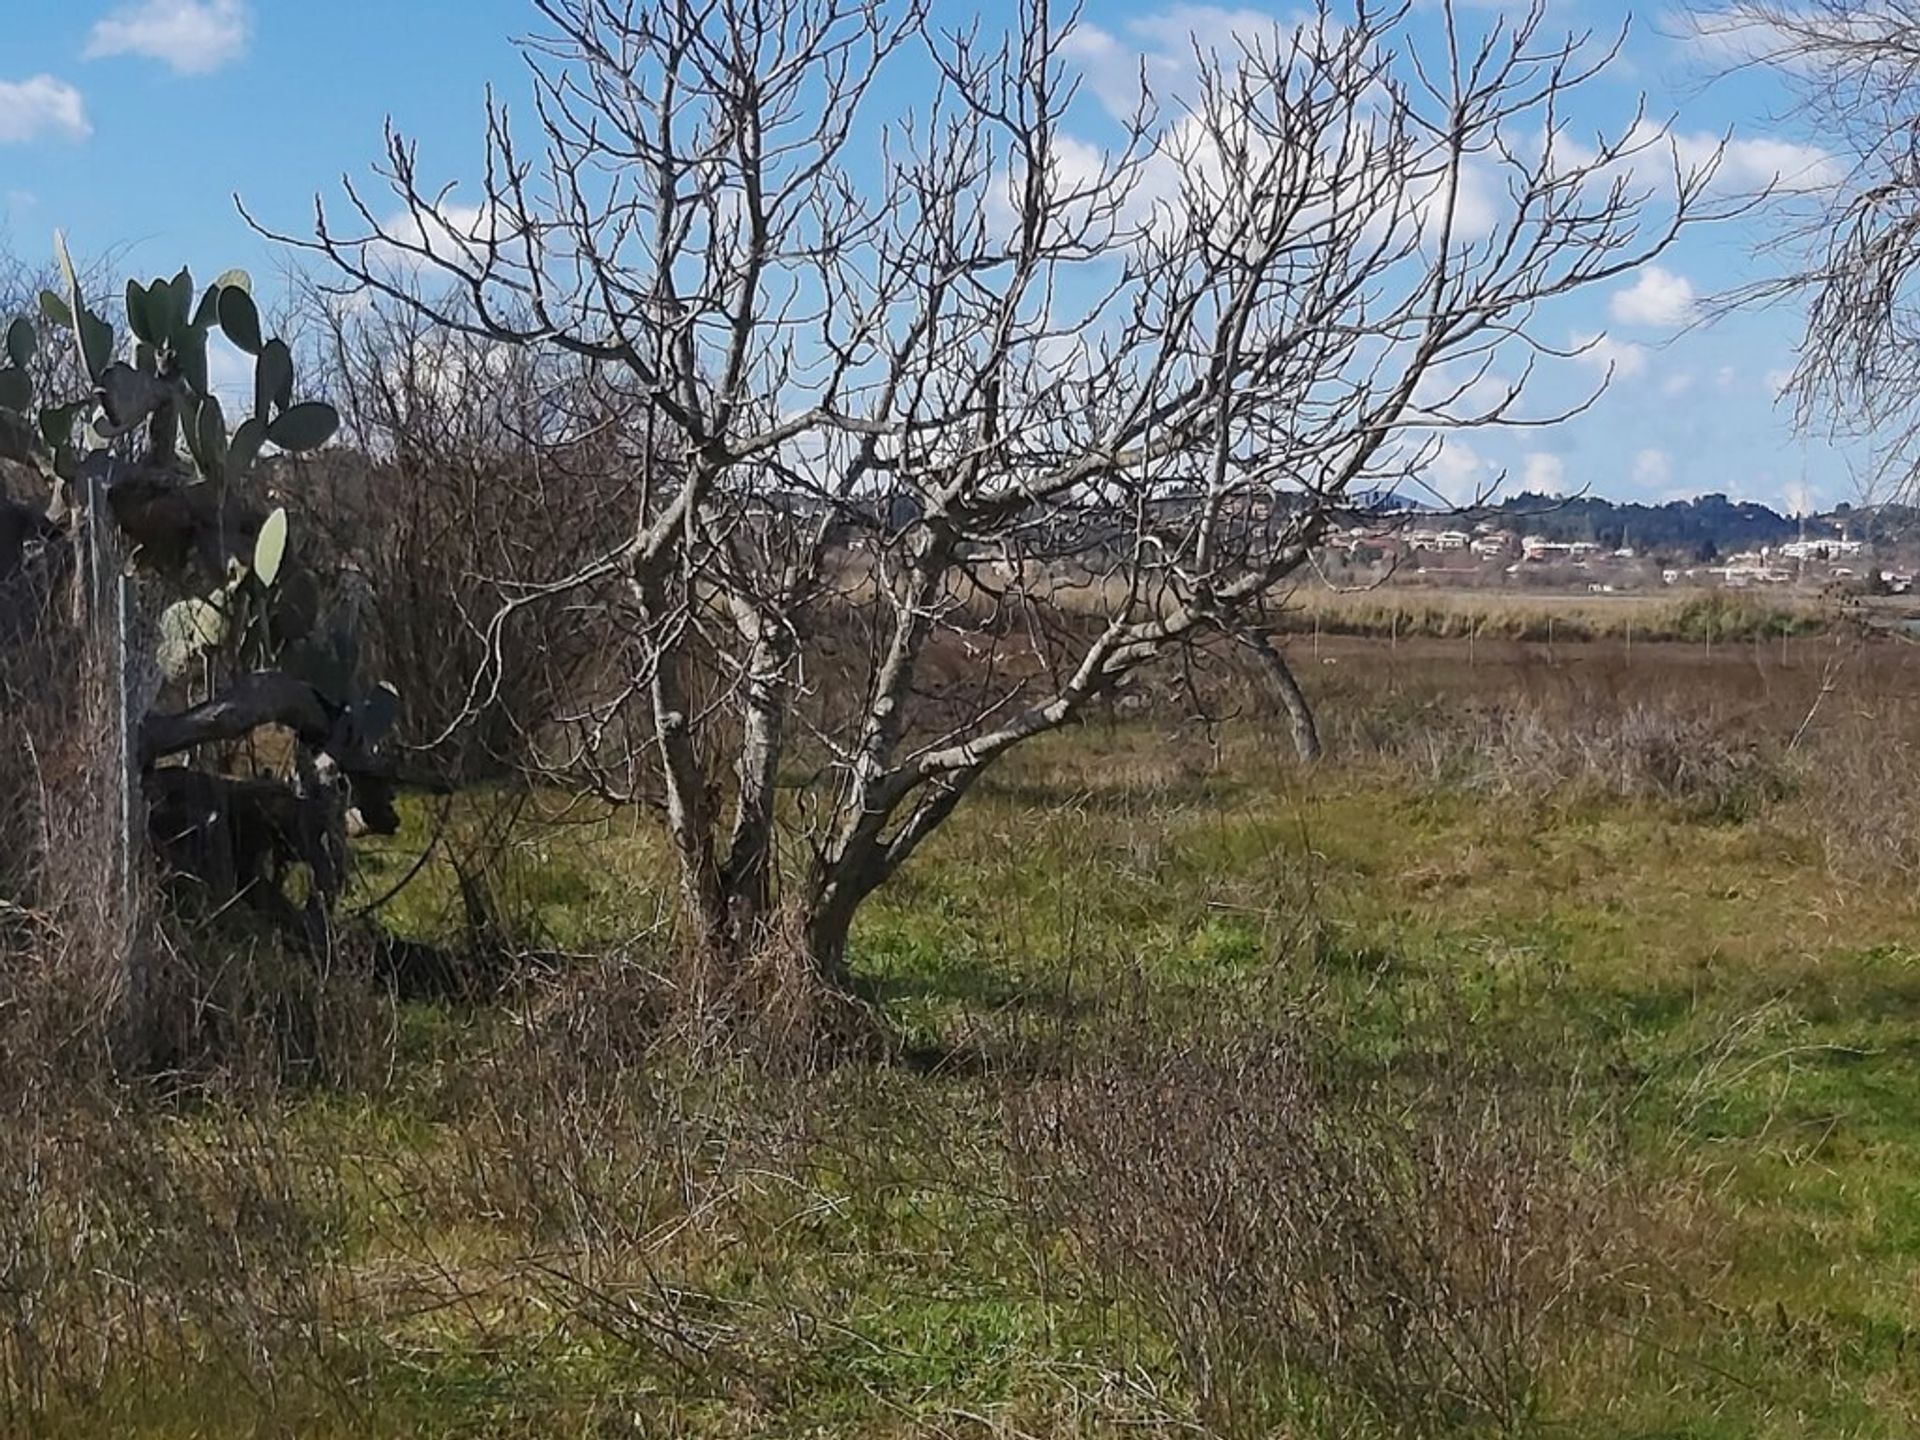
1547, 1062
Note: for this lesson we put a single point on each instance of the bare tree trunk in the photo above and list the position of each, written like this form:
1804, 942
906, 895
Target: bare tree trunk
828, 926
689, 802
843, 887
749, 874
1306, 734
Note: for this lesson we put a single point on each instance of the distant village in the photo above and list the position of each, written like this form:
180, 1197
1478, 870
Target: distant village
1485, 552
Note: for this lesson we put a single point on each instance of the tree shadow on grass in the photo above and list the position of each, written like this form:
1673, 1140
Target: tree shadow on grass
965, 1016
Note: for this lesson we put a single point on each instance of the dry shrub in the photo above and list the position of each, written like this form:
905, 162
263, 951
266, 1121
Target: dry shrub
605, 1156
138, 1242
1361, 1253
1822, 737
230, 1009
1499, 612
156, 1222
141, 1234
154, 1217
62, 887
460, 509
1641, 751
1708, 730
172, 1229
1862, 792
193, 1233
565, 1138
777, 1010
635, 1006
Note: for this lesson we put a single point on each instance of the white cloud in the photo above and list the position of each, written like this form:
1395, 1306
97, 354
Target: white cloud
1777, 383
1620, 358
1787, 163
1164, 46
455, 234
1652, 470
1659, 299
1475, 201
191, 37
1462, 389
1064, 356
1798, 498
1739, 32
1745, 163
1544, 474
230, 373
1456, 472
40, 106
448, 368
1651, 153
1747, 33
1168, 49
1112, 69
1078, 170
1674, 386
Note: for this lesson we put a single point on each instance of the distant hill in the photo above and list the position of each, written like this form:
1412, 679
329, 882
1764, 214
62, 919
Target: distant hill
1706, 526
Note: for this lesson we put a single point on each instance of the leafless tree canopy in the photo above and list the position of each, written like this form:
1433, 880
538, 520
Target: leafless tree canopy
944, 421
453, 478
1851, 238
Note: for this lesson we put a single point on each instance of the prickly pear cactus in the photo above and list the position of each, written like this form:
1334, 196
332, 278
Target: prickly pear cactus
151, 408
197, 578
154, 375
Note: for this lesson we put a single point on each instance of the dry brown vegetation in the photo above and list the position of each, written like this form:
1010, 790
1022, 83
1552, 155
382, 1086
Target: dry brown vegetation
1413, 611
1314, 1244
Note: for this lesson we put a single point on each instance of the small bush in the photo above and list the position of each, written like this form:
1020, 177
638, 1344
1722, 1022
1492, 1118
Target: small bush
1316, 1248
1720, 616
1519, 747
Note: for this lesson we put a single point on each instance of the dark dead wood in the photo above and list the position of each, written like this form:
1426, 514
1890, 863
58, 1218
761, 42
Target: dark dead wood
240, 837
234, 837
23, 530
35, 558
169, 522
18, 443
266, 697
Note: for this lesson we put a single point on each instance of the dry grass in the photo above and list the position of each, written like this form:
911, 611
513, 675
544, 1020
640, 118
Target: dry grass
1399, 1252
1422, 612
1816, 733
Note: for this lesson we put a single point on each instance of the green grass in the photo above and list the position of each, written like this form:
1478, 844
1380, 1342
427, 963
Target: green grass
866, 1269
1758, 1018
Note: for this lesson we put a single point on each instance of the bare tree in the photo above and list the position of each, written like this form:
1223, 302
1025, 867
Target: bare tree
949, 422
1849, 235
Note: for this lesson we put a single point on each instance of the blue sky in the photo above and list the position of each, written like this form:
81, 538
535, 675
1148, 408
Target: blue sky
132, 123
